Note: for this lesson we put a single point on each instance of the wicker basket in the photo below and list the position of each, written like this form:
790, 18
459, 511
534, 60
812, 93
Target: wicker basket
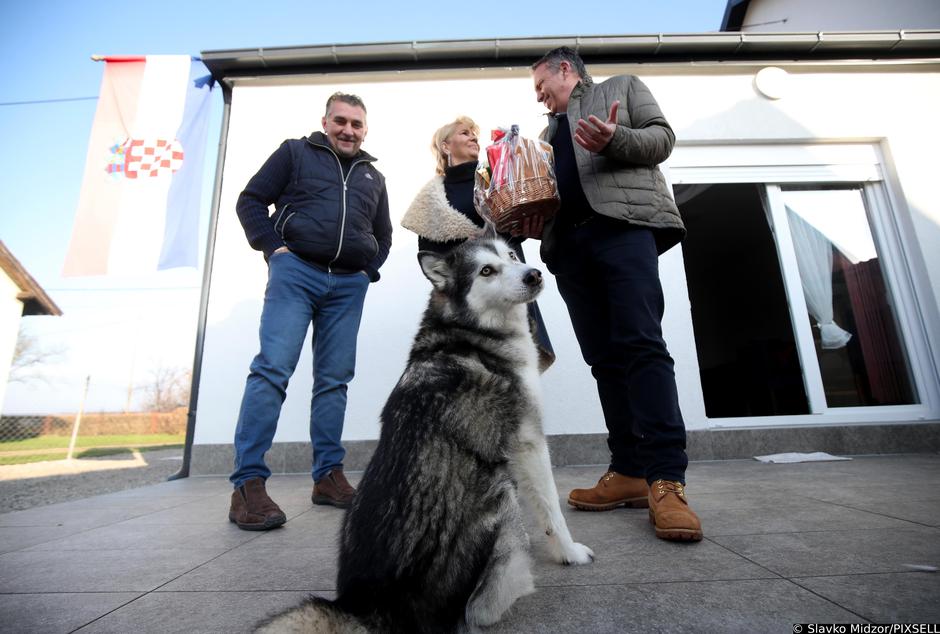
528, 197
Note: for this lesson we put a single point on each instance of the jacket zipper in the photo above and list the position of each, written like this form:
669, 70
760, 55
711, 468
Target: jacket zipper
342, 224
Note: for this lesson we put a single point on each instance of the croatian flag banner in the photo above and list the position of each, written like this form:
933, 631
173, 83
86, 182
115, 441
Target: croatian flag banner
138, 210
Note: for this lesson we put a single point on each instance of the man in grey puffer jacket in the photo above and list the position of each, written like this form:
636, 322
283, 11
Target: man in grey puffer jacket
616, 217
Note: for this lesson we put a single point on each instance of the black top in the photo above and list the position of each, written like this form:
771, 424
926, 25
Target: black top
346, 162
458, 187
574, 206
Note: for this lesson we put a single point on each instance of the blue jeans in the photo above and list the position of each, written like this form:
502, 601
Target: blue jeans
298, 294
608, 274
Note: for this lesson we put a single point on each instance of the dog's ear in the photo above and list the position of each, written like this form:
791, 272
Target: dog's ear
435, 268
489, 231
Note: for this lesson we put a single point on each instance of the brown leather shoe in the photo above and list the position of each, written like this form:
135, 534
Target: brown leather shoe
670, 513
252, 509
334, 489
611, 491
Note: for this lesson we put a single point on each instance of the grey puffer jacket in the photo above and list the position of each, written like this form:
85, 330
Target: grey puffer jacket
623, 181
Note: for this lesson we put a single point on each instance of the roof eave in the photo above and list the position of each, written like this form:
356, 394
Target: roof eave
34, 298
655, 48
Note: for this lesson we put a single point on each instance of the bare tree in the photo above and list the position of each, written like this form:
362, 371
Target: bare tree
29, 356
167, 389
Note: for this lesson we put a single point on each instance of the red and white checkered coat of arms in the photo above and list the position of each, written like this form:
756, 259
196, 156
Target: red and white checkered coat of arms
141, 158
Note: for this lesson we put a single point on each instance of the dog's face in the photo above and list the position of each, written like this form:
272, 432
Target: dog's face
482, 277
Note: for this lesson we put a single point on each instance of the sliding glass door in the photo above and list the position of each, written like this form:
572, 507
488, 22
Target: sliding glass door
794, 311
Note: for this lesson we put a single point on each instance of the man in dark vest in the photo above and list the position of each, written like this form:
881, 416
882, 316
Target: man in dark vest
616, 217
329, 234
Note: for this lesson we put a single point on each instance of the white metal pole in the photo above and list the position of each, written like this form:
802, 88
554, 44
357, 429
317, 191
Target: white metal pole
78, 419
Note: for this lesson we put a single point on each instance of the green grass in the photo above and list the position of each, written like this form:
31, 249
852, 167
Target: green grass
28, 458
119, 440
56, 447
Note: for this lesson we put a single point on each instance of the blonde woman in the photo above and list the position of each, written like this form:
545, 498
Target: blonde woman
443, 215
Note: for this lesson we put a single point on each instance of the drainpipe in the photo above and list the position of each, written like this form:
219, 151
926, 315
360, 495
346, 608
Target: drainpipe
206, 279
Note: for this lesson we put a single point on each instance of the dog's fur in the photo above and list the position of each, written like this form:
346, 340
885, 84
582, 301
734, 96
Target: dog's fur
434, 540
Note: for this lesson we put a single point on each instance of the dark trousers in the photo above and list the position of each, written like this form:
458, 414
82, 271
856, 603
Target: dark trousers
608, 275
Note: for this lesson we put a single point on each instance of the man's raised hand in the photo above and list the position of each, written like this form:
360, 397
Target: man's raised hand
594, 134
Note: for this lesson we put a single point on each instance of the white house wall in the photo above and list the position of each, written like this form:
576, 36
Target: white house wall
892, 107
840, 15
11, 310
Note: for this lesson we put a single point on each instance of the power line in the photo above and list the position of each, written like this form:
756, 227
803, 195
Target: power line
36, 101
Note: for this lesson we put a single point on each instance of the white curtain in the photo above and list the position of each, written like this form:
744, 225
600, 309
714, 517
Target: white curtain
814, 259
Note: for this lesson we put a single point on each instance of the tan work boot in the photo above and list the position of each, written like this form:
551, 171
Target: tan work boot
611, 491
252, 509
334, 489
670, 513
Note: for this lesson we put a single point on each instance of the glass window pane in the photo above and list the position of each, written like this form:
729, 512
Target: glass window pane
861, 356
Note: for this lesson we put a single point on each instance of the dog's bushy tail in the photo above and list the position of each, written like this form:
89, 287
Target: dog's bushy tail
315, 615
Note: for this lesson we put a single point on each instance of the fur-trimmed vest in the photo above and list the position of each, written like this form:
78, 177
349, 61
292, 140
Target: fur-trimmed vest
431, 216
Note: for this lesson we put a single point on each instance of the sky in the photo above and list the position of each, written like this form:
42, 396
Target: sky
119, 330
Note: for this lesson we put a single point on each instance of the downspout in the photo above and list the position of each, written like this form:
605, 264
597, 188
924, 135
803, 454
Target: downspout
206, 280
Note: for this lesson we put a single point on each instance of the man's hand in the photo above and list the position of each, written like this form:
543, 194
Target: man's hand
283, 249
594, 134
530, 227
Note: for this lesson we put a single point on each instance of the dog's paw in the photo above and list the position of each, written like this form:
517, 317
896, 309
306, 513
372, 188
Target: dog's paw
574, 554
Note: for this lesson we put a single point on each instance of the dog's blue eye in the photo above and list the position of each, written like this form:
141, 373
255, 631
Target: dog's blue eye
486, 271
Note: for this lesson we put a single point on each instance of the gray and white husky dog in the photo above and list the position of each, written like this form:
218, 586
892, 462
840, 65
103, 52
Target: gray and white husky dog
434, 540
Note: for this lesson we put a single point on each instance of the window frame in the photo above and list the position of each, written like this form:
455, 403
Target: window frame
858, 163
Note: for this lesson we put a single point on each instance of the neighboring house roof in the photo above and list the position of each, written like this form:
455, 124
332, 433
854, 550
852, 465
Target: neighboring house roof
734, 15
595, 49
35, 300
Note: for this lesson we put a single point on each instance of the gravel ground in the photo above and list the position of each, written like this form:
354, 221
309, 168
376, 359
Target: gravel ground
24, 493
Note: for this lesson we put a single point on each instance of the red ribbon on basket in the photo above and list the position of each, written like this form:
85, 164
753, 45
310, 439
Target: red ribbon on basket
498, 155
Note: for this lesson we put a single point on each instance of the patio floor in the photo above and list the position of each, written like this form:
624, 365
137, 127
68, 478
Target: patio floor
824, 542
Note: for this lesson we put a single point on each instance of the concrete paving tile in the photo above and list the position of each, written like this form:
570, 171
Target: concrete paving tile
838, 552
187, 612
73, 516
156, 496
317, 528
96, 571
856, 491
922, 510
919, 502
889, 470
293, 496
893, 598
729, 582
806, 515
53, 613
134, 503
210, 510
745, 478
620, 526
757, 497
649, 560
771, 605
17, 537
263, 569
143, 536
